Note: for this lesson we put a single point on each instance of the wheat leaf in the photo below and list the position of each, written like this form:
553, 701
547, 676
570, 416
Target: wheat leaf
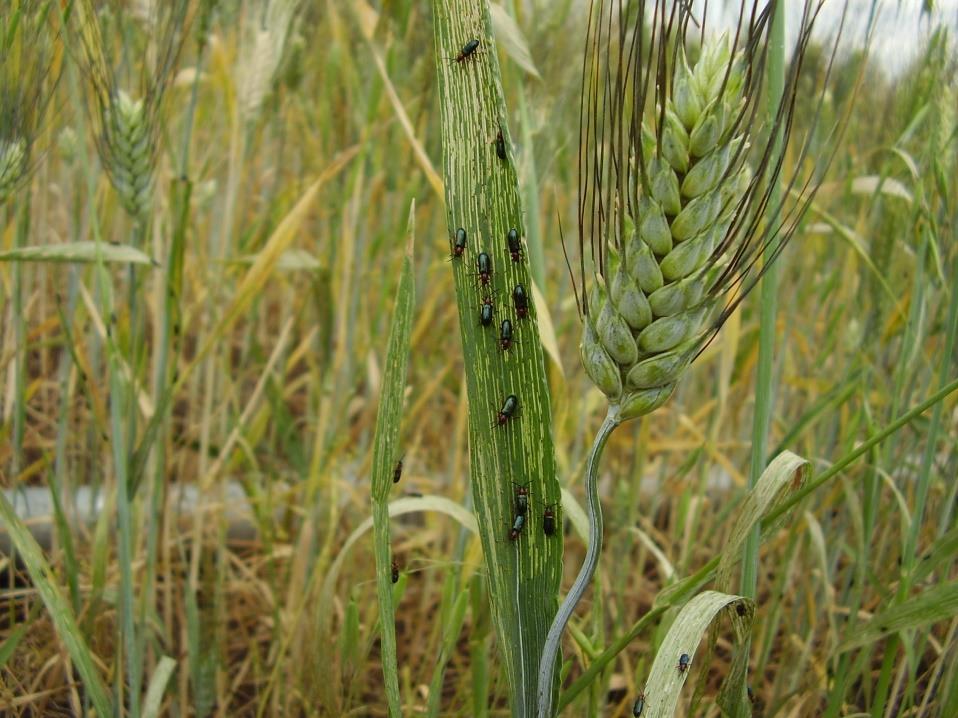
79, 252
512, 39
939, 603
786, 475
482, 197
665, 682
57, 606
153, 700
386, 454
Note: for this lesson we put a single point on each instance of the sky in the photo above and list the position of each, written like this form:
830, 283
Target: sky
900, 31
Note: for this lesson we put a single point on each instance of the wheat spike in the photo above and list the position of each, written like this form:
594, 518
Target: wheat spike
130, 159
645, 318
127, 139
261, 55
29, 72
13, 165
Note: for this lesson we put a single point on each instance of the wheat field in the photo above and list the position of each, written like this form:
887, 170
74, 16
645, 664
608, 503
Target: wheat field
231, 304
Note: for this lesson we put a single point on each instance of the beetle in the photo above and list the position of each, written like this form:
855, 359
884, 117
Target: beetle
549, 519
517, 524
397, 472
521, 301
466, 52
395, 568
501, 146
459, 244
505, 335
522, 498
484, 268
684, 661
486, 311
639, 705
508, 410
515, 245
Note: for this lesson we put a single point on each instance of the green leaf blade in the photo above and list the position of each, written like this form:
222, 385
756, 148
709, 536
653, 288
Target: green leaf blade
482, 196
385, 458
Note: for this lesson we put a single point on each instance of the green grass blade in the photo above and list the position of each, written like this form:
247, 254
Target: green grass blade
599, 662
482, 196
12, 641
768, 307
386, 454
58, 607
479, 641
859, 451
451, 629
513, 41
938, 603
943, 552
82, 252
398, 507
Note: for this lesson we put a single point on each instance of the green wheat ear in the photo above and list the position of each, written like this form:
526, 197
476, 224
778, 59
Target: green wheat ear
129, 152
127, 137
13, 165
677, 201
29, 72
646, 314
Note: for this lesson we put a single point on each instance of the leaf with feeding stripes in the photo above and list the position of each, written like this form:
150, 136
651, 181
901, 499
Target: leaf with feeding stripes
666, 678
386, 454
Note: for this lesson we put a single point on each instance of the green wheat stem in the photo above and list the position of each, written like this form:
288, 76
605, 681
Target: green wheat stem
59, 478
128, 633
764, 383
20, 332
167, 332
550, 651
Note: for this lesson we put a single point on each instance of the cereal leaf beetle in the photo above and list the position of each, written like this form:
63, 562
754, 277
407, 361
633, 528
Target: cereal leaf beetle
505, 335
515, 245
486, 311
684, 661
549, 519
459, 245
639, 705
484, 268
395, 571
397, 472
509, 408
517, 524
522, 498
501, 146
521, 301
466, 52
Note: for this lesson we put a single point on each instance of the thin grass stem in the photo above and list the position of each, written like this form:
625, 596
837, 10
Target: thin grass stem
764, 381
550, 650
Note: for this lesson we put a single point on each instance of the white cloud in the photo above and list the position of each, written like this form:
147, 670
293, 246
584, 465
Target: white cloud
901, 29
